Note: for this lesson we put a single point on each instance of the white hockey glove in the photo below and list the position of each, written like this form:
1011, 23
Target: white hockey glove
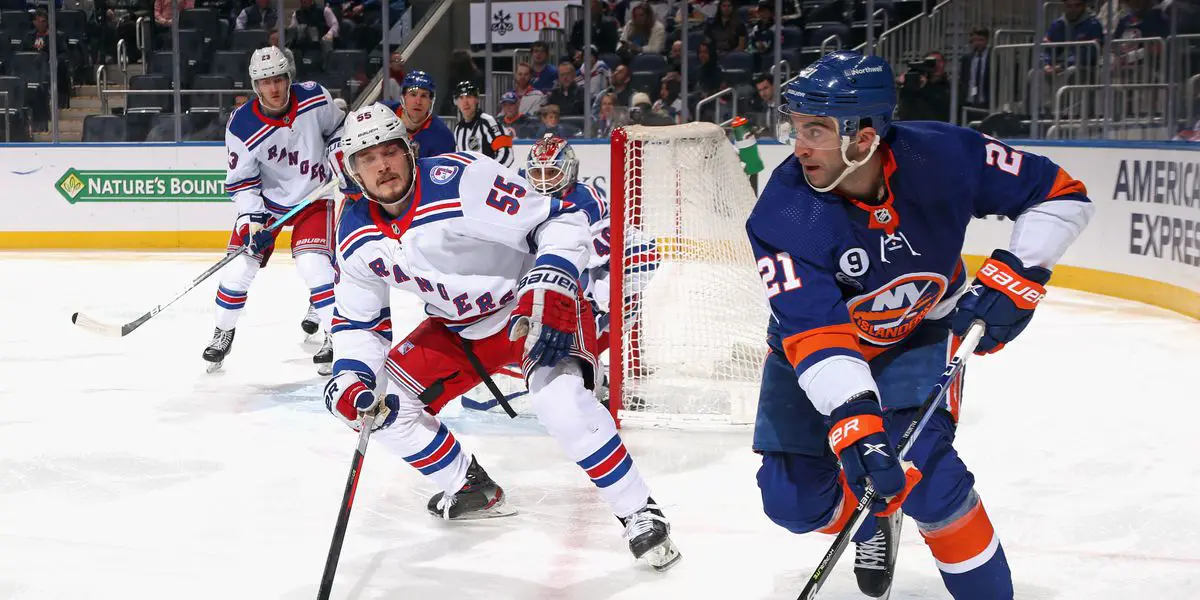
337, 162
348, 396
547, 314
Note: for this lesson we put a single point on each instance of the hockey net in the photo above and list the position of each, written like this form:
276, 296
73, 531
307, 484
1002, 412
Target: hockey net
688, 313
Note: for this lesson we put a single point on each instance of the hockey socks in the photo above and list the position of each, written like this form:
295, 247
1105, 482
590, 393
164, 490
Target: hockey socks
969, 555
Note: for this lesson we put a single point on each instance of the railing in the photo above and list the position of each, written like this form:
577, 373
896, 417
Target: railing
7, 116
837, 44
1002, 37
1012, 67
105, 93
556, 39
1193, 84
716, 112
1137, 112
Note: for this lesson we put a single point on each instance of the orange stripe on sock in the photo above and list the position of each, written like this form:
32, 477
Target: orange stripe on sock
963, 539
849, 501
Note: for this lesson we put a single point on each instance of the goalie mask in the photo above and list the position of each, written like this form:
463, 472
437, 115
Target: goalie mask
551, 167
378, 154
266, 63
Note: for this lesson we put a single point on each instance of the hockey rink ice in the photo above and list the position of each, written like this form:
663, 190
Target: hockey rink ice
127, 472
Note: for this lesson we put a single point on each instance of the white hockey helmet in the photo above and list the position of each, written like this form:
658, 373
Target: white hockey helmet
371, 126
270, 62
551, 166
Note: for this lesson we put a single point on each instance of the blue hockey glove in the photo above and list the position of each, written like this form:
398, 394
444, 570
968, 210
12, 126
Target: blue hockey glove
1003, 296
858, 438
251, 228
349, 394
547, 314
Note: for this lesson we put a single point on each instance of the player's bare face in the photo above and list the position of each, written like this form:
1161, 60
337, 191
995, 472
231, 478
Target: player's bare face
273, 92
818, 147
417, 103
385, 172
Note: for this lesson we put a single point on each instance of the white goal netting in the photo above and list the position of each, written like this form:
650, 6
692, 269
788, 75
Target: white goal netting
689, 313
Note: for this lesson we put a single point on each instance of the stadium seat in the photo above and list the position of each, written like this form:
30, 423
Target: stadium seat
33, 67
737, 77
793, 38
610, 59
202, 19
193, 49
248, 40
104, 128
345, 64
14, 24
210, 103
737, 60
149, 103
309, 64
649, 62
646, 81
816, 33
233, 64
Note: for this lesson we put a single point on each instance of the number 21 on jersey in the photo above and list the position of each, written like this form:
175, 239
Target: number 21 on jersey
772, 267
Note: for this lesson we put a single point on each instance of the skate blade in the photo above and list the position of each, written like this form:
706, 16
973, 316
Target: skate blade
213, 367
663, 556
325, 369
494, 512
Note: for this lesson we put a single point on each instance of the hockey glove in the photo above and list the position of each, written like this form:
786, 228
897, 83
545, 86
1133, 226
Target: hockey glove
858, 438
1003, 296
547, 314
250, 227
349, 394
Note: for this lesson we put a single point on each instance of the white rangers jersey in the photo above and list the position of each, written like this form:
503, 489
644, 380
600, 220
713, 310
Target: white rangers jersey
274, 164
472, 230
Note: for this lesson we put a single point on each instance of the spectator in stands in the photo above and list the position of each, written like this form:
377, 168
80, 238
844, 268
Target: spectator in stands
1143, 20
567, 96
710, 77
314, 27
396, 72
726, 31
516, 124
761, 40
256, 16
1077, 24
529, 97
273, 40
598, 75
120, 23
605, 32
545, 75
675, 56
699, 13
924, 91
643, 33
461, 68
669, 103
609, 115
38, 40
973, 70
552, 124
763, 106
619, 86
164, 16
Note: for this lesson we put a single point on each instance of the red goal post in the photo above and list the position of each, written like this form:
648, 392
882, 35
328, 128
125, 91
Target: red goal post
688, 312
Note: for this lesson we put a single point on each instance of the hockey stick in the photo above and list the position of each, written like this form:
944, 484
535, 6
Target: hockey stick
343, 519
477, 365
113, 330
932, 403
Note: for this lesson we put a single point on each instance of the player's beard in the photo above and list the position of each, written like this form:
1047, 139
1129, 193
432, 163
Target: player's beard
395, 201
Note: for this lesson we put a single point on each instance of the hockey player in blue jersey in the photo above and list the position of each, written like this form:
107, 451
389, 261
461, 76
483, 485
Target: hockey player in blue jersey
429, 134
858, 238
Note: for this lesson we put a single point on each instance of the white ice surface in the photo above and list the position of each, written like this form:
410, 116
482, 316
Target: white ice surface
128, 473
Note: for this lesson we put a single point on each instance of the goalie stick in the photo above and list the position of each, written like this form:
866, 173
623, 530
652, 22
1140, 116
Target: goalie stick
114, 330
932, 403
343, 518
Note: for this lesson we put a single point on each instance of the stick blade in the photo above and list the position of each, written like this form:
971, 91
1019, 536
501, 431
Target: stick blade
94, 326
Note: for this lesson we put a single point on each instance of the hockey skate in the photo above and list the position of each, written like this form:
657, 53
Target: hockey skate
479, 498
875, 559
647, 531
311, 322
324, 357
218, 348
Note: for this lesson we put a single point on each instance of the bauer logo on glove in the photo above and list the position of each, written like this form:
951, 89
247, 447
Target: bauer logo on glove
547, 312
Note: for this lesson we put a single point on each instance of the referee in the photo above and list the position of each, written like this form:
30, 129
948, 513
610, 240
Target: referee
477, 131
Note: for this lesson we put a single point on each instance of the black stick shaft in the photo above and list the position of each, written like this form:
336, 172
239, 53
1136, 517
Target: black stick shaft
343, 519
932, 402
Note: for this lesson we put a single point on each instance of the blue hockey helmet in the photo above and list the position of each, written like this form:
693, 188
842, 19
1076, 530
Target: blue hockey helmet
847, 86
420, 80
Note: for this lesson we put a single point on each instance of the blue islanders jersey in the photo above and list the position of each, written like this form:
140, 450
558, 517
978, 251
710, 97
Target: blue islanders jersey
433, 138
847, 278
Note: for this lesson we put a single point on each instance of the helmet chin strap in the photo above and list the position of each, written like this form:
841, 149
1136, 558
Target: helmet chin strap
851, 165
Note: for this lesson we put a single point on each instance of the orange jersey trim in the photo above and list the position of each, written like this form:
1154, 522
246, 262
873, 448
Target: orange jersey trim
799, 346
501, 141
1064, 185
963, 539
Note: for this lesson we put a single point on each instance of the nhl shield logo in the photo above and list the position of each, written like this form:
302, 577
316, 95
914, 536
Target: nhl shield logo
883, 216
442, 173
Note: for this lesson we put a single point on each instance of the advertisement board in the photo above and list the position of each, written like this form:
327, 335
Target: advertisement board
517, 22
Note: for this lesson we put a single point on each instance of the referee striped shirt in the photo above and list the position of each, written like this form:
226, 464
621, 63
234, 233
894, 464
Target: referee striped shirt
484, 135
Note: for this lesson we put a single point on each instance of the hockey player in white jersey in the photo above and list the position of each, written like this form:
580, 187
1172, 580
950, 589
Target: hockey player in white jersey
497, 265
277, 150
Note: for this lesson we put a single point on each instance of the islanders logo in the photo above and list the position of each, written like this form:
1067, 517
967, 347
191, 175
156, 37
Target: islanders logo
442, 173
888, 314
